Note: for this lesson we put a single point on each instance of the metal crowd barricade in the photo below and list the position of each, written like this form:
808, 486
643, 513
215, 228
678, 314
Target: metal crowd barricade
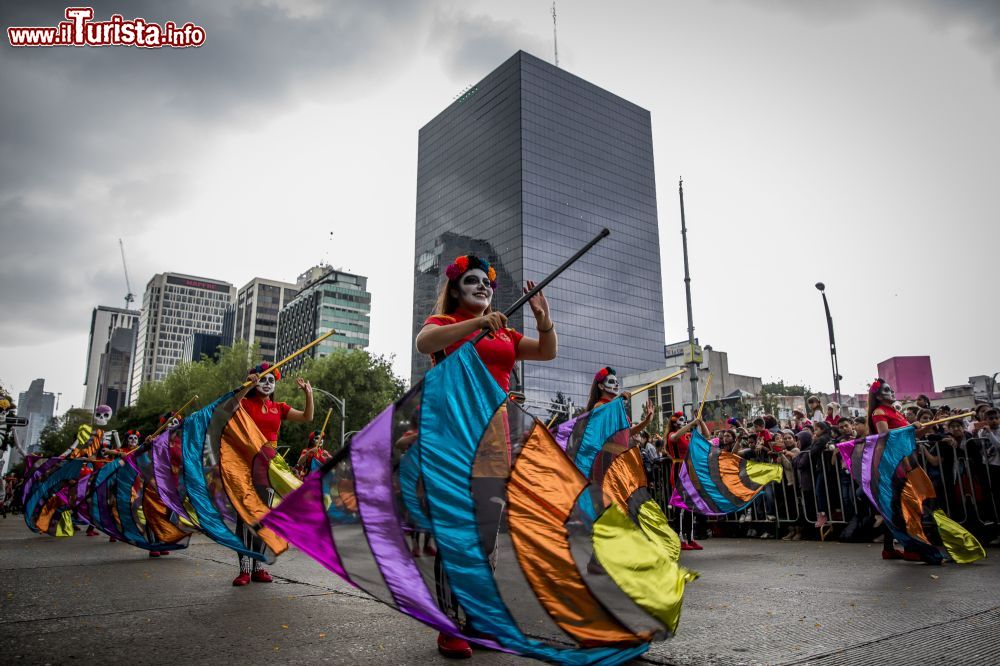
811, 486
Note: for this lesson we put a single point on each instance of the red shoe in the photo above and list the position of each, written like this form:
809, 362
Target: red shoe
430, 550
164, 553
112, 539
892, 554
694, 545
91, 531
241, 580
154, 553
261, 576
910, 556
686, 546
415, 551
453, 648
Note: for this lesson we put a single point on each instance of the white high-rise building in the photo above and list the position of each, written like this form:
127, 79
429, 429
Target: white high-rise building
112, 342
173, 307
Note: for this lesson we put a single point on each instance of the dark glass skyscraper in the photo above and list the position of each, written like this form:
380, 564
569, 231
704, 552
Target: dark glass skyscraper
524, 168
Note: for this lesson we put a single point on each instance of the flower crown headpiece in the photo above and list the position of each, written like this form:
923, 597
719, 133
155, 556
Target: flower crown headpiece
876, 386
677, 416
262, 367
171, 415
129, 433
468, 262
313, 435
603, 373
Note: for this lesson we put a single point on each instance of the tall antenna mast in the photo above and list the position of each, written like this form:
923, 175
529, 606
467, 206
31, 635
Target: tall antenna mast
129, 296
555, 39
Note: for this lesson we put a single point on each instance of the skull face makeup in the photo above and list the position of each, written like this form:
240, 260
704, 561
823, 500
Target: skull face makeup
474, 291
102, 415
611, 385
886, 394
132, 441
265, 385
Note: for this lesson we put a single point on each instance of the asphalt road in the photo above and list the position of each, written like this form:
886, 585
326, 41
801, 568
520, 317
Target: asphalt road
84, 600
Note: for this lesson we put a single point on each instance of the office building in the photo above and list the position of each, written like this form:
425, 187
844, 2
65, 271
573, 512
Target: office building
525, 168
173, 307
255, 316
910, 376
37, 405
109, 356
328, 299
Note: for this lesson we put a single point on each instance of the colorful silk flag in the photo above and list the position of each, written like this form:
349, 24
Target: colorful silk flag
886, 469
714, 482
519, 565
229, 474
49, 494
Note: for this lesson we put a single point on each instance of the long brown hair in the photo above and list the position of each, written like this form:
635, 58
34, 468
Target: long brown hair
873, 403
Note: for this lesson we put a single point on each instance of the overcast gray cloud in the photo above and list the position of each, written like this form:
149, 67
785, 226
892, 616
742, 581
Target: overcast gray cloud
979, 18
102, 142
815, 138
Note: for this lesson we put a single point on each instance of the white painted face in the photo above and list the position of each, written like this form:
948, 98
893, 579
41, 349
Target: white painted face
886, 393
474, 290
611, 385
102, 415
174, 423
265, 385
132, 441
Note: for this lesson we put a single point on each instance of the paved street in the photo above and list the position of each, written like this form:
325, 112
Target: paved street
83, 599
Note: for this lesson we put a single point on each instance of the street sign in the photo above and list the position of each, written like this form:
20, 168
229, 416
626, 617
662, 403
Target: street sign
677, 349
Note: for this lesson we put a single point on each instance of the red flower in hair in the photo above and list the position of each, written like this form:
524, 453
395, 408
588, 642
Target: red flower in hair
876, 386
602, 374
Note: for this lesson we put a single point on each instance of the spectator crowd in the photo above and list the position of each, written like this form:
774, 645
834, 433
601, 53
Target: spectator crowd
817, 497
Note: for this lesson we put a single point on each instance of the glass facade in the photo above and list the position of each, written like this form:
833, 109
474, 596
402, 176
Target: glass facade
525, 168
335, 300
256, 313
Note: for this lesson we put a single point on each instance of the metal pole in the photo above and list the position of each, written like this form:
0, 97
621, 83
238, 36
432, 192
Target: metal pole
693, 365
343, 410
833, 344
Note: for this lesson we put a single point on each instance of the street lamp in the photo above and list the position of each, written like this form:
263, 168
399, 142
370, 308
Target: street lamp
833, 344
340, 403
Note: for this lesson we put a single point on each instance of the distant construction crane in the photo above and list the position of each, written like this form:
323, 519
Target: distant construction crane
129, 296
555, 39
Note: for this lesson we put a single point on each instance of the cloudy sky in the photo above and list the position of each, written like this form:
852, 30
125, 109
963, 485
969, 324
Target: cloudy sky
833, 141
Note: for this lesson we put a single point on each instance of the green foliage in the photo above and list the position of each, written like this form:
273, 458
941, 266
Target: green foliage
781, 388
363, 380
208, 378
60, 433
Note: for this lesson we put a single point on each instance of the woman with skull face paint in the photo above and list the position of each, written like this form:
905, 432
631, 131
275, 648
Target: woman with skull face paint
267, 415
883, 417
606, 388
463, 309
678, 441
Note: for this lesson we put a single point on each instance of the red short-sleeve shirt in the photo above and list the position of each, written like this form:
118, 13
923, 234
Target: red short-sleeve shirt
890, 416
499, 351
267, 414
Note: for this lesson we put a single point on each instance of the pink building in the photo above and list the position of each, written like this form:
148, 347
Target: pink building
909, 375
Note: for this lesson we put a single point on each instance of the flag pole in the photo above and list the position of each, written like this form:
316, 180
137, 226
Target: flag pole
704, 396
291, 356
322, 430
342, 453
658, 382
519, 303
173, 416
920, 426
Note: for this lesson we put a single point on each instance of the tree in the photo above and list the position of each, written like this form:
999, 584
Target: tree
364, 381
557, 417
780, 388
208, 378
60, 433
